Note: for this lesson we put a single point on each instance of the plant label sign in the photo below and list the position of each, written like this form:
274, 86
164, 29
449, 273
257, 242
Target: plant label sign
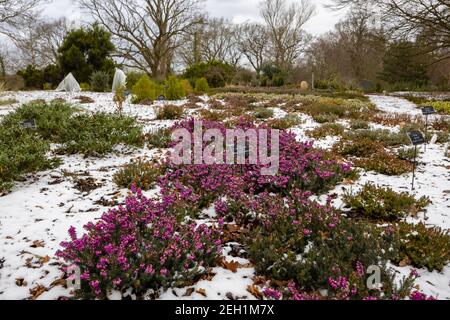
426, 111
28, 124
416, 138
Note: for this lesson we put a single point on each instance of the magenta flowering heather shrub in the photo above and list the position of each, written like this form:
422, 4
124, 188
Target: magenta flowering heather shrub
352, 288
300, 167
140, 246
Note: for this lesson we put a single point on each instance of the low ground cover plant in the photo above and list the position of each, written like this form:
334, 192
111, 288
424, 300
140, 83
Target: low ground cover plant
140, 173
140, 246
423, 247
28, 150
169, 112
98, 134
385, 163
310, 246
263, 113
301, 166
21, 151
383, 204
439, 106
328, 129
159, 138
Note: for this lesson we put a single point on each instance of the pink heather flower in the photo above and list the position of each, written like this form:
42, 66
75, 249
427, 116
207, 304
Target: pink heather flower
307, 232
150, 270
295, 222
359, 269
220, 222
72, 233
416, 295
94, 284
117, 282
272, 293
414, 273
85, 276
164, 272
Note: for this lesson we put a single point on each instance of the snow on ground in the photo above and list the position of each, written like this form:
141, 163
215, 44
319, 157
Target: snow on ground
35, 217
394, 105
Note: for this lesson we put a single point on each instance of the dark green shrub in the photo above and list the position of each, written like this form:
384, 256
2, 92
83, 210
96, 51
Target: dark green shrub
143, 174
132, 78
21, 151
216, 73
170, 112
423, 247
51, 119
99, 81
306, 242
384, 204
98, 134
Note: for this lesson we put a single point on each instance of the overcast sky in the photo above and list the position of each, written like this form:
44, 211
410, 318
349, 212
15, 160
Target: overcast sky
236, 10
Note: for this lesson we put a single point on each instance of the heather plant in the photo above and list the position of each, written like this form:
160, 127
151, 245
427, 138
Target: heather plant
142, 174
325, 118
263, 113
328, 129
213, 115
300, 167
385, 163
99, 81
51, 119
423, 247
384, 204
407, 153
357, 148
358, 124
188, 90
289, 121
159, 138
99, 133
139, 246
385, 137
353, 287
306, 242
21, 151
169, 112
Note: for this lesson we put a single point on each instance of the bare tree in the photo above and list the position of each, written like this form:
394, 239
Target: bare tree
13, 13
38, 41
408, 18
353, 51
219, 41
254, 45
285, 28
147, 32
